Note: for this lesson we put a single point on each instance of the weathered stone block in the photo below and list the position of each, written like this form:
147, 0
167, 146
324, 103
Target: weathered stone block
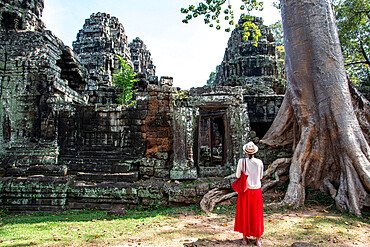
113, 177
149, 194
222, 184
184, 199
121, 167
149, 171
161, 173
47, 170
184, 174
214, 171
172, 188
16, 172
161, 155
160, 164
154, 203
189, 192
147, 162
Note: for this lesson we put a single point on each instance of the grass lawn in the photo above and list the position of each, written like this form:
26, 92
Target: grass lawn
182, 226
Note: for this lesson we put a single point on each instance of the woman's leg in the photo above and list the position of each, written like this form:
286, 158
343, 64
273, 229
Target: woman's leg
258, 242
245, 240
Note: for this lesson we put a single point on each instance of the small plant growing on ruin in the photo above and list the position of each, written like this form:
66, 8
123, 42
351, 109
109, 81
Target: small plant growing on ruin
124, 78
180, 98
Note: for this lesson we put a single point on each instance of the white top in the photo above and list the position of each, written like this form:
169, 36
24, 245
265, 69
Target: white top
254, 170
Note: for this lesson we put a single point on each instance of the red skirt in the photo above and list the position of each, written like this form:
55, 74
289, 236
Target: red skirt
249, 213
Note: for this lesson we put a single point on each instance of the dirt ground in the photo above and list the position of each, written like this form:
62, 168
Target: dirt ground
281, 229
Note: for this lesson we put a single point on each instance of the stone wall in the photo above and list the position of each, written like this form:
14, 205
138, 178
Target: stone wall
21, 15
224, 105
32, 88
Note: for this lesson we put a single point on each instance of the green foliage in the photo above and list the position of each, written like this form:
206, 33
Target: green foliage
212, 77
251, 30
124, 78
180, 98
278, 32
353, 21
216, 10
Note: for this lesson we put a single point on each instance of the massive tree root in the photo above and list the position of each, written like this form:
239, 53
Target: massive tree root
213, 197
275, 173
317, 116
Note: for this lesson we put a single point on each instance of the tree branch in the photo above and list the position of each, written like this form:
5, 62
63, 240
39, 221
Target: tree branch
361, 62
364, 52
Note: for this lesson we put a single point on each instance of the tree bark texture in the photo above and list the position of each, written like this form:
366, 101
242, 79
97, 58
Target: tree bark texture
317, 116
276, 173
213, 197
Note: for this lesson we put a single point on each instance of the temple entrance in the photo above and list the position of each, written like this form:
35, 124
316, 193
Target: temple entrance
260, 128
212, 142
211, 138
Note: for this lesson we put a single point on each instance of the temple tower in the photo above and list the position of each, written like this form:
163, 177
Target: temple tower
98, 43
141, 58
255, 68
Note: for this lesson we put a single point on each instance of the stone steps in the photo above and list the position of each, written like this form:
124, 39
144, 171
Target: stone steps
34, 193
46, 170
43, 193
104, 177
88, 159
100, 165
73, 169
105, 195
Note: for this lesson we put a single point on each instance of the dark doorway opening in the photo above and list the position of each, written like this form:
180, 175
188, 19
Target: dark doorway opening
211, 139
260, 128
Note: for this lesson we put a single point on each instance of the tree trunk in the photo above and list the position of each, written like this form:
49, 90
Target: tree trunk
317, 115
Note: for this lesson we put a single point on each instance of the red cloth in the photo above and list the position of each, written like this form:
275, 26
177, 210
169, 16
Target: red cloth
249, 213
240, 185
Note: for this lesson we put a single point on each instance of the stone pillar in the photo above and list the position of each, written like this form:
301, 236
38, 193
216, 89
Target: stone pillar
183, 127
239, 132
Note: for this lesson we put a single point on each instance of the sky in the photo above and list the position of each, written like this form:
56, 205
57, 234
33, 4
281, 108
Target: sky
186, 52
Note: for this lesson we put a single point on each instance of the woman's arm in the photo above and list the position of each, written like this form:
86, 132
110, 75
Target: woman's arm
261, 175
239, 168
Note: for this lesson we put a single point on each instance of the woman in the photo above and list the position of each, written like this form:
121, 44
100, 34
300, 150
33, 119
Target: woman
249, 208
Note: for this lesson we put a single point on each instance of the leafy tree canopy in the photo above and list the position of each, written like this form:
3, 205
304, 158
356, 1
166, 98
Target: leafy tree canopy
215, 11
353, 21
277, 31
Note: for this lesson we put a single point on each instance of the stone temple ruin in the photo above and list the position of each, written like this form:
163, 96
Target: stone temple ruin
66, 144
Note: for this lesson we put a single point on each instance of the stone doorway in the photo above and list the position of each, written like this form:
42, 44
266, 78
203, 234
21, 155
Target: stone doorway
212, 142
260, 128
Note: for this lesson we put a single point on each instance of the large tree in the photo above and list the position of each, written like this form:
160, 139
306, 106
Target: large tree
318, 116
